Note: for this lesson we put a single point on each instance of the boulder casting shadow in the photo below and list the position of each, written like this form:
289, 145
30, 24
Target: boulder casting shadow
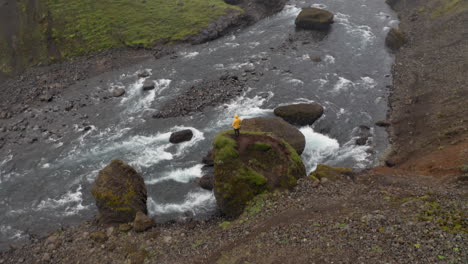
249, 165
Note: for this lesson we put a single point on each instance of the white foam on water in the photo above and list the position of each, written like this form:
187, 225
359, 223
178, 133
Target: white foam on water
305, 57
318, 148
329, 59
10, 232
231, 44
293, 81
290, 11
70, 203
367, 82
196, 202
360, 31
342, 84
189, 55
142, 100
179, 175
359, 154
254, 44
184, 147
243, 106
322, 6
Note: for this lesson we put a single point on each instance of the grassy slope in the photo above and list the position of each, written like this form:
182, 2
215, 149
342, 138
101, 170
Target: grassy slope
79, 27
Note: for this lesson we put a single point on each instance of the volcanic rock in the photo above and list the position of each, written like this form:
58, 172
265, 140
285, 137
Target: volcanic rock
181, 136
251, 164
206, 182
148, 85
120, 193
314, 19
142, 222
395, 39
117, 92
278, 127
300, 114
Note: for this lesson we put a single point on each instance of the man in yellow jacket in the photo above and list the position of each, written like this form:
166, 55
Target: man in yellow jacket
236, 124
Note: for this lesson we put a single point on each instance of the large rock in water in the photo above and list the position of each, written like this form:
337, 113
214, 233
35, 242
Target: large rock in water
181, 136
278, 127
395, 39
249, 165
314, 18
120, 193
300, 114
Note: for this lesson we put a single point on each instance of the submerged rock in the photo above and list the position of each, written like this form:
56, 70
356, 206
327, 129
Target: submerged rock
300, 114
314, 19
278, 127
252, 164
143, 74
395, 39
181, 136
120, 193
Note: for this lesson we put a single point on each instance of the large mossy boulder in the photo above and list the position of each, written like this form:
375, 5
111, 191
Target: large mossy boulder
249, 165
314, 19
331, 173
279, 128
395, 39
300, 114
120, 193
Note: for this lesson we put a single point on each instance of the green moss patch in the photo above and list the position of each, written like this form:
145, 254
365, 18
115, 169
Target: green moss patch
331, 173
450, 7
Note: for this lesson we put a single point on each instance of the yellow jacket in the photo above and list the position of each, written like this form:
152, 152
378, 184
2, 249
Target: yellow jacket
236, 124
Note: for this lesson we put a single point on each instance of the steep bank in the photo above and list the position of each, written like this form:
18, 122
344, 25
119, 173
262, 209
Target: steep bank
429, 113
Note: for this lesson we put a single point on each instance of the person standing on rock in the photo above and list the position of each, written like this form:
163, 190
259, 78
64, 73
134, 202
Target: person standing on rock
236, 124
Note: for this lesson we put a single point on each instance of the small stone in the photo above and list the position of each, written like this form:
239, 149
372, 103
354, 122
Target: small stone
383, 123
117, 92
167, 239
148, 85
98, 237
142, 222
125, 228
143, 74
110, 231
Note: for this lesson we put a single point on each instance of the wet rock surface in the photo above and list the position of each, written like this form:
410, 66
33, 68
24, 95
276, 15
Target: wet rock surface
395, 39
314, 19
181, 136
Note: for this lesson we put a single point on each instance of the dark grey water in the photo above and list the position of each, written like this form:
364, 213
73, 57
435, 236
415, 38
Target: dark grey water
44, 187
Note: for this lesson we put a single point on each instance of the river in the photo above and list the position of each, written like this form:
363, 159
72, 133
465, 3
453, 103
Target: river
47, 187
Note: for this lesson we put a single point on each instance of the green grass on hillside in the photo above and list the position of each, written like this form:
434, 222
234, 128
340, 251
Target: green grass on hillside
82, 26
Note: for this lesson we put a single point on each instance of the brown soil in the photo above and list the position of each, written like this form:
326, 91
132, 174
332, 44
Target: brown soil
429, 112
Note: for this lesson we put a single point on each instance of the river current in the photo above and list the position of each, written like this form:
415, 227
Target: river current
50, 187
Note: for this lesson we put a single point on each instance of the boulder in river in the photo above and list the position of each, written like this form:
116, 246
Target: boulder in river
314, 19
208, 160
206, 181
300, 114
143, 74
251, 164
117, 92
395, 39
120, 193
279, 128
181, 136
148, 85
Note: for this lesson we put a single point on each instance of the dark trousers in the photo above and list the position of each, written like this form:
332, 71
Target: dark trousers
236, 132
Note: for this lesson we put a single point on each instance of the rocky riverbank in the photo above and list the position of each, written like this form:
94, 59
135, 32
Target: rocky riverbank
412, 211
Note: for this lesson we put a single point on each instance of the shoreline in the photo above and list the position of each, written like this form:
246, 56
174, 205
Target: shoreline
409, 174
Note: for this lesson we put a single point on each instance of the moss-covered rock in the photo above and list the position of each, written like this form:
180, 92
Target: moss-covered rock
120, 193
300, 114
395, 39
330, 173
314, 18
252, 164
279, 128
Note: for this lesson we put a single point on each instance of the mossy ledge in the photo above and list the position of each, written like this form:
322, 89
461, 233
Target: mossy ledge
252, 164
